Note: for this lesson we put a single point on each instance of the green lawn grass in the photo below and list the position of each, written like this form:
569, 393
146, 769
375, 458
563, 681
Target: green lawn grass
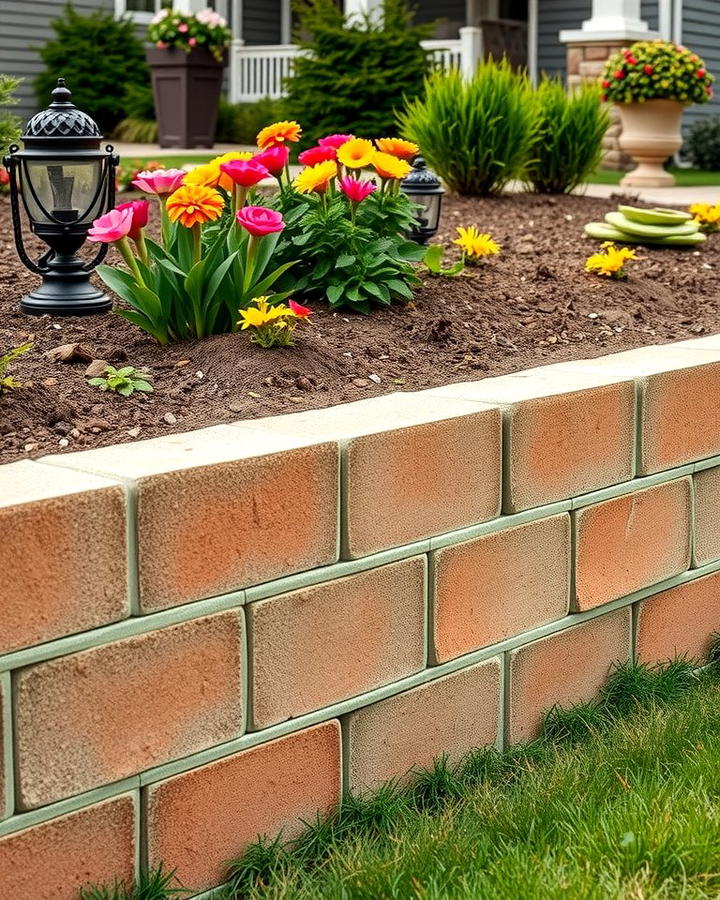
684, 177
619, 799
169, 162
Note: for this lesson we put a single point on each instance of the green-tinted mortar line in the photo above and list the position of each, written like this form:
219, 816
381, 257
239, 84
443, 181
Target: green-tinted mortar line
7, 798
629, 487
133, 570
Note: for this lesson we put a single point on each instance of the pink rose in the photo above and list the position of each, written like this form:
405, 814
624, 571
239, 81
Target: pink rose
335, 140
111, 227
245, 172
183, 29
316, 155
192, 42
274, 158
161, 181
140, 210
355, 190
259, 220
161, 44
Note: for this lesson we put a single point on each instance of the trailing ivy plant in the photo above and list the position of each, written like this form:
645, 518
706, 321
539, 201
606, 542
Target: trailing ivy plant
8, 382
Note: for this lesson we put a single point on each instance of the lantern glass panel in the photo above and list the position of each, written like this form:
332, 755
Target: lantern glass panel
429, 214
62, 190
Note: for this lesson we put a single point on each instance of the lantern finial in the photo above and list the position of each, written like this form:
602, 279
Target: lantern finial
61, 95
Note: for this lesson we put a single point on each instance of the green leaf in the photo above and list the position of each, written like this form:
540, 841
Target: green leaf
399, 287
126, 370
433, 258
143, 386
125, 390
344, 260
334, 292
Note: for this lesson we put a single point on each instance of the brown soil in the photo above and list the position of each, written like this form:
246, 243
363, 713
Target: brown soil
531, 305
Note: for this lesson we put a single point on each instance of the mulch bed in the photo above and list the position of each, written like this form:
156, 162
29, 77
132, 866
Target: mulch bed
531, 305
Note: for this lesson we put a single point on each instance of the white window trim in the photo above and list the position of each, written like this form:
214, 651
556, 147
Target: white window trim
142, 18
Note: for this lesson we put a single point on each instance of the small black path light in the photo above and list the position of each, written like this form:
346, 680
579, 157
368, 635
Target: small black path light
65, 181
423, 187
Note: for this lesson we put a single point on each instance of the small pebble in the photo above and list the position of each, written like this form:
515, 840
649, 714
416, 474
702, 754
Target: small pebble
170, 418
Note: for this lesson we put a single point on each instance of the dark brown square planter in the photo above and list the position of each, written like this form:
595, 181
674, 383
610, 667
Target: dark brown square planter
187, 89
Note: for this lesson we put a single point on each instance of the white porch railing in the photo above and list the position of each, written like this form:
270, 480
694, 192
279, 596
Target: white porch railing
258, 71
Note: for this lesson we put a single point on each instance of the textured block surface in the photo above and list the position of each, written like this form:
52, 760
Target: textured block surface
680, 400
3, 777
201, 819
707, 515
316, 646
95, 717
562, 436
54, 860
224, 507
500, 585
632, 541
564, 669
414, 466
679, 621
63, 554
453, 715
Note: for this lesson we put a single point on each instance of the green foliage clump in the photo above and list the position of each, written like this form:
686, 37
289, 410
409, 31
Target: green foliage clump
239, 123
477, 134
99, 56
703, 144
7, 382
123, 381
567, 145
9, 124
139, 125
155, 885
353, 75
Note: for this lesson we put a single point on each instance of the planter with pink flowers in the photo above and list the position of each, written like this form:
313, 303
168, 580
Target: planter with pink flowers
187, 60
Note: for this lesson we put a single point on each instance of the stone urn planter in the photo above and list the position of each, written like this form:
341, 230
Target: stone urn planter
650, 134
186, 88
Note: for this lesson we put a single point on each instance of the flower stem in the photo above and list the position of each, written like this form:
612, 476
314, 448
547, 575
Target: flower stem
125, 249
197, 243
142, 247
252, 249
164, 223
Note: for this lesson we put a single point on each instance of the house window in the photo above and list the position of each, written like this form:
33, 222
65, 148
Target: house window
140, 10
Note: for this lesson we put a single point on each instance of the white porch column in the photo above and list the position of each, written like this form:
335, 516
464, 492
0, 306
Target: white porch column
471, 50
611, 20
361, 7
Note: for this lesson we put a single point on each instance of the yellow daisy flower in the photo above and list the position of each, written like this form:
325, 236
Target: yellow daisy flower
356, 153
388, 166
278, 133
206, 175
610, 261
475, 244
316, 178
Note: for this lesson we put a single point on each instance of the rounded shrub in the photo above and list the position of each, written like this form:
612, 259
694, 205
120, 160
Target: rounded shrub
703, 144
567, 144
478, 133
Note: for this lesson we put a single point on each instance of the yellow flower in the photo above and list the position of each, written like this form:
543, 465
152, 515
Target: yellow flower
706, 215
398, 147
206, 175
356, 153
475, 244
278, 133
316, 178
194, 204
225, 181
388, 166
272, 326
610, 261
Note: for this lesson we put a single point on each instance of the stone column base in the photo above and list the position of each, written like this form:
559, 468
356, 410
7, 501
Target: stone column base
585, 62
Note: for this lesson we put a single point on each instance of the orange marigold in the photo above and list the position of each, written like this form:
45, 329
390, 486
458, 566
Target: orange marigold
397, 147
206, 175
388, 166
194, 204
278, 133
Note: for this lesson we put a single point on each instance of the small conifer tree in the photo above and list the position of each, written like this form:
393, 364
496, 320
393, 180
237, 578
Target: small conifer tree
9, 124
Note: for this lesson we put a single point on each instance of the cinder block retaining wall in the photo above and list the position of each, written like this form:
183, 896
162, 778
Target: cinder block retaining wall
210, 635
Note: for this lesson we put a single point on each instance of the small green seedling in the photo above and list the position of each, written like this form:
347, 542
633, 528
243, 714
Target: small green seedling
433, 261
123, 381
7, 382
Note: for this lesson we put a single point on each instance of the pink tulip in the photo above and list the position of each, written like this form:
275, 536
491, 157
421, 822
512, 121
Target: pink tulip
355, 190
162, 181
259, 220
335, 140
111, 227
245, 172
316, 155
140, 211
274, 159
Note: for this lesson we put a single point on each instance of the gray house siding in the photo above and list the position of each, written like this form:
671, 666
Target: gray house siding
25, 26
261, 21
555, 16
701, 32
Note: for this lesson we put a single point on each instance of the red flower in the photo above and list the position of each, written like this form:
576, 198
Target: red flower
335, 140
648, 70
302, 312
606, 83
603, 98
631, 61
4, 175
619, 74
316, 155
701, 73
274, 158
139, 216
245, 172
259, 220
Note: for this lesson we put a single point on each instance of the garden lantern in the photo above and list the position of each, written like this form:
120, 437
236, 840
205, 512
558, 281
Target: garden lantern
65, 181
424, 188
